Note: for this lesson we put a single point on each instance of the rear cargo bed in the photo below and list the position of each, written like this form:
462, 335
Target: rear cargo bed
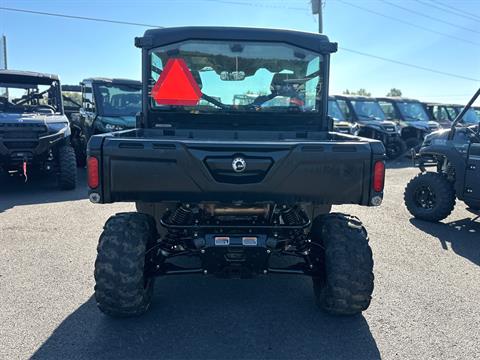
323, 168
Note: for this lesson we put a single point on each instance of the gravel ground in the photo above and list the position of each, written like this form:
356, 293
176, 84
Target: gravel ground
426, 302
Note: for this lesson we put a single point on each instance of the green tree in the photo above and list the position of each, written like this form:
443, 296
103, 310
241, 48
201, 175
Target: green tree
360, 92
394, 92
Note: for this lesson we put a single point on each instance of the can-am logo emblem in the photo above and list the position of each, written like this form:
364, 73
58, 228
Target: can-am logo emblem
239, 164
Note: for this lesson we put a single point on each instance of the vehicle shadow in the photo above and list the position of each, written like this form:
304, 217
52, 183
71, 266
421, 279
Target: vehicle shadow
209, 318
463, 236
399, 163
14, 191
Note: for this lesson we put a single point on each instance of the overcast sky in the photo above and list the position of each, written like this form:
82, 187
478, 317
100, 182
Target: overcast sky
76, 49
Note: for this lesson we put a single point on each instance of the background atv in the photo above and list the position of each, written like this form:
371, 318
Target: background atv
240, 189
72, 100
372, 123
34, 131
455, 154
412, 119
340, 123
106, 105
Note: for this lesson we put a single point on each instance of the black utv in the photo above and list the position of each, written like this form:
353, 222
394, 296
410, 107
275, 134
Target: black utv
106, 105
372, 123
340, 123
441, 114
445, 114
34, 131
72, 100
454, 154
236, 188
411, 117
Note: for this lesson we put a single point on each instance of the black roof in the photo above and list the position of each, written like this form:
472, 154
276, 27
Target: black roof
165, 36
103, 80
354, 97
27, 77
397, 99
72, 88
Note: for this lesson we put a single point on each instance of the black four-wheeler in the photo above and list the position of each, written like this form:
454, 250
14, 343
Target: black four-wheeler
106, 105
239, 189
411, 117
340, 123
455, 155
445, 114
34, 131
440, 113
72, 100
369, 117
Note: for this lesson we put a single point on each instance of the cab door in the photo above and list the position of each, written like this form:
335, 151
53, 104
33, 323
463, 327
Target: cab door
472, 175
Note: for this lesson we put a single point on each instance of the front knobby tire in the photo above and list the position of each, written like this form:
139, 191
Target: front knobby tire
395, 149
430, 196
347, 283
67, 168
122, 288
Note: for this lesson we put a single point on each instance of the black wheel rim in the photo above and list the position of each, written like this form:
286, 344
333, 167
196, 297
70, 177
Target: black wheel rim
425, 198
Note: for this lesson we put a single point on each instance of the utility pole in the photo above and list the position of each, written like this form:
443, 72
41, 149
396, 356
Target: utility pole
3, 53
317, 9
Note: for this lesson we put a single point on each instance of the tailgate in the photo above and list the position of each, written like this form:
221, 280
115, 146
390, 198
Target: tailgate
328, 172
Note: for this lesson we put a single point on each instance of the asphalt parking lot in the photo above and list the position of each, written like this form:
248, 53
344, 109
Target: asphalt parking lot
426, 302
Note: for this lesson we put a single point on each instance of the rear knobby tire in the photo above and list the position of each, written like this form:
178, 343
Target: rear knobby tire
67, 168
122, 288
395, 149
347, 283
442, 190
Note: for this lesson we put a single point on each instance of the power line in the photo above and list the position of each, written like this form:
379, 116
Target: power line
148, 25
78, 17
259, 4
408, 23
410, 65
455, 9
434, 5
429, 17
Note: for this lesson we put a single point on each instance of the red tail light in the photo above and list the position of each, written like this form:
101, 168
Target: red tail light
92, 172
379, 176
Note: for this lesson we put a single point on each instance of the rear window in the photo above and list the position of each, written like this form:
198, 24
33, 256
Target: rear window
216, 76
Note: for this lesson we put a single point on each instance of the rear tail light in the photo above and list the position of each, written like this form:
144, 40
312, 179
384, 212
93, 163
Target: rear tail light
378, 176
92, 172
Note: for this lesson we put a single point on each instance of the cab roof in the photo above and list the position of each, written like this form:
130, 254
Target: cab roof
355, 97
29, 77
102, 80
397, 99
165, 36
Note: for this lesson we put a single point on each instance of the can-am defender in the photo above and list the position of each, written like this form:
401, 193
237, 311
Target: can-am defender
411, 117
72, 100
235, 187
34, 131
455, 156
340, 123
369, 117
445, 114
107, 105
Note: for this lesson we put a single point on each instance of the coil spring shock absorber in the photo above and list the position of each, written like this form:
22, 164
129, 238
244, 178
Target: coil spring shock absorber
181, 216
295, 216
292, 216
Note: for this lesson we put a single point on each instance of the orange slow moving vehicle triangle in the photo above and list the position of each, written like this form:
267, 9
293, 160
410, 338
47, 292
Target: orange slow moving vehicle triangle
176, 85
